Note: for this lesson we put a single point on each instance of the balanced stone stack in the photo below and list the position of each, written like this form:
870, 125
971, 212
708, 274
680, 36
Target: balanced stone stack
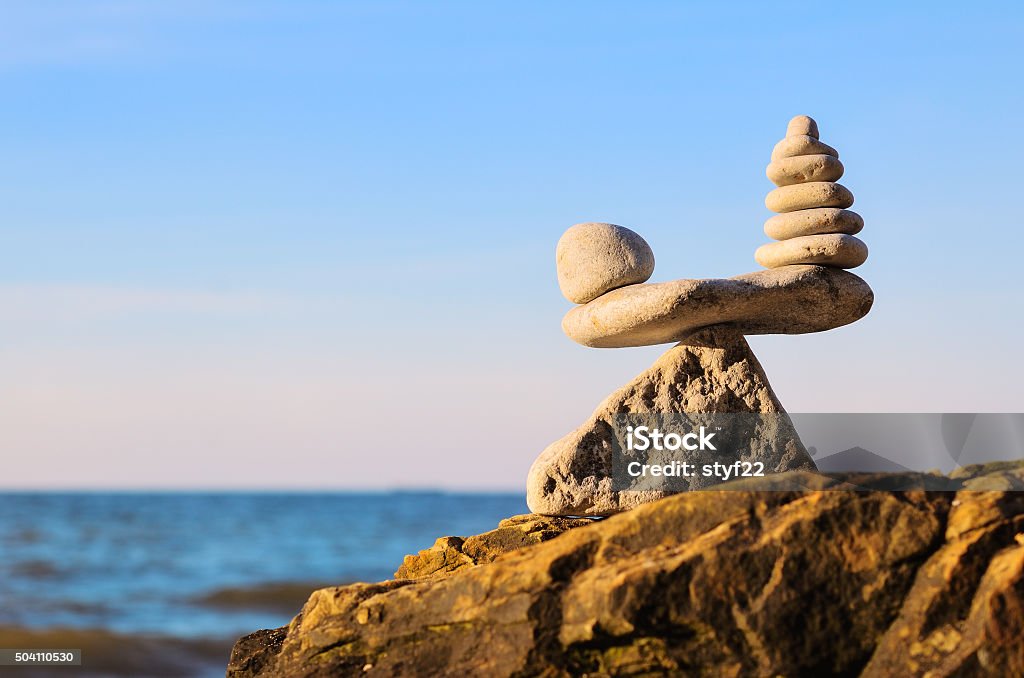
604, 268
813, 225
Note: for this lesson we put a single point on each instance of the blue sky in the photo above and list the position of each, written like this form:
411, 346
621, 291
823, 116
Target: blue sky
263, 244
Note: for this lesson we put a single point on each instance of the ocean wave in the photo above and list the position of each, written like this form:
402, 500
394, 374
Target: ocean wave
35, 569
109, 654
284, 597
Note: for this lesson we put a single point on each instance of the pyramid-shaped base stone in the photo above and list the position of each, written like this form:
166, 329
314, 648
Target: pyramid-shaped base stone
713, 371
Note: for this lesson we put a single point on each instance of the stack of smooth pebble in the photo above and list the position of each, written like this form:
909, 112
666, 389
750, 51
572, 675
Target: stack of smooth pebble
813, 225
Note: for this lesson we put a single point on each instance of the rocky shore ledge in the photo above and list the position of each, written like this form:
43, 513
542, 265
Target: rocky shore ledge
833, 580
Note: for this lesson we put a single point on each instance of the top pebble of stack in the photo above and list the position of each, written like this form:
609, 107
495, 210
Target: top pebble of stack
802, 125
813, 224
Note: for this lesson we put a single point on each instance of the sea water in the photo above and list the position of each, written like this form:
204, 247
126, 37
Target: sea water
168, 580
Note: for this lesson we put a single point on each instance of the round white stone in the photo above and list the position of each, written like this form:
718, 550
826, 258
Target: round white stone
594, 258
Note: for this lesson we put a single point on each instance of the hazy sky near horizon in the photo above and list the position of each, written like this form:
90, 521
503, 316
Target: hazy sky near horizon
311, 244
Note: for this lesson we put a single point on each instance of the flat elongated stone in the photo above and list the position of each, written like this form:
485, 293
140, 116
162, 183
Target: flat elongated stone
713, 371
594, 258
802, 125
813, 222
803, 168
802, 145
808, 196
831, 249
787, 300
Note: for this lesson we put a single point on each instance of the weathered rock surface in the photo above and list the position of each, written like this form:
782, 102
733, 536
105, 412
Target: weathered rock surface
449, 554
594, 258
803, 168
808, 196
715, 583
712, 371
1002, 475
964, 614
813, 222
830, 249
788, 300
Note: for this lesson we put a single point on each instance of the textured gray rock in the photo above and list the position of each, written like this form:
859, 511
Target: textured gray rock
831, 249
808, 196
803, 168
787, 300
813, 222
594, 258
712, 371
